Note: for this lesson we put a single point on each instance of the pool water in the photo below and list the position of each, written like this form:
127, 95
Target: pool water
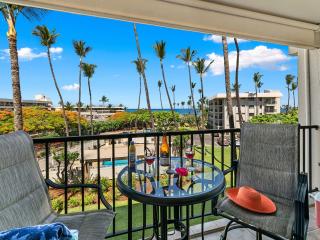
121, 162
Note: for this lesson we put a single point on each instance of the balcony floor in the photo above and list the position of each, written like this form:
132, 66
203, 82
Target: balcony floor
214, 230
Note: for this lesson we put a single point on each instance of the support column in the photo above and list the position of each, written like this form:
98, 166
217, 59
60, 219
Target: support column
309, 103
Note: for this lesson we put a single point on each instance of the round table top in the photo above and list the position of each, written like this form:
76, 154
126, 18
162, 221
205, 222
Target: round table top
205, 183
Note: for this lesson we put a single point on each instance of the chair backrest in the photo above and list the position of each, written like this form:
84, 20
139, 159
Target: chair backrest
269, 158
24, 199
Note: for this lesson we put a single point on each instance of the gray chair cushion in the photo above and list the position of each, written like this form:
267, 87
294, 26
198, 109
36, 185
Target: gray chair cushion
268, 162
91, 225
279, 223
24, 198
269, 159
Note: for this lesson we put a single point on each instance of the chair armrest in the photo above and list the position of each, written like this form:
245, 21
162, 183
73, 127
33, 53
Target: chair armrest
94, 186
234, 167
301, 205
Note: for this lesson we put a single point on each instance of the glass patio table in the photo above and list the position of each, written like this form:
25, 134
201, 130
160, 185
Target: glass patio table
165, 190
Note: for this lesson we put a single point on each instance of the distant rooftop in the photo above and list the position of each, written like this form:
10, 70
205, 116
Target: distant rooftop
8, 100
264, 94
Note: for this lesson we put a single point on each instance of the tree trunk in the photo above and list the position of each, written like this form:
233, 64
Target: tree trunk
139, 99
192, 98
202, 101
294, 100
237, 81
167, 92
59, 93
15, 76
227, 81
257, 110
288, 99
144, 78
160, 98
79, 99
139, 92
91, 117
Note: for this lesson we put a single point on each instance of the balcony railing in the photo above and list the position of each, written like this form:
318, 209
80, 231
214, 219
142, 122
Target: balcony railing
219, 148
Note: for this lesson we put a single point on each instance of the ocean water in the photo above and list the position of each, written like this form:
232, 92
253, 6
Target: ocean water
183, 111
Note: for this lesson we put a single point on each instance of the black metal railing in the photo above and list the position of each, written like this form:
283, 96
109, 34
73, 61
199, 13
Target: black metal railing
219, 148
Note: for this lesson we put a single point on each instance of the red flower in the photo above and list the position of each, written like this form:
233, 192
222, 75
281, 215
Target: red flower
182, 171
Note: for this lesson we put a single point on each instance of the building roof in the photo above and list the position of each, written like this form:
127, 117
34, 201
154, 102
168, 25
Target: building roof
26, 101
265, 94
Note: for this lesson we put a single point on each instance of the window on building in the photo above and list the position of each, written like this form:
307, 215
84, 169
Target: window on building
251, 106
269, 109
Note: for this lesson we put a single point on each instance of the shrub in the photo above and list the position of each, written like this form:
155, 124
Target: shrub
105, 183
89, 199
41, 121
281, 118
57, 204
74, 201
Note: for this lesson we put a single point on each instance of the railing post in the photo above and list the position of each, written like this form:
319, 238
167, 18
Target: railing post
129, 199
66, 177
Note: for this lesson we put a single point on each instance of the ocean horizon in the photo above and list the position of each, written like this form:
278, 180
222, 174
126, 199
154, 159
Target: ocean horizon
183, 111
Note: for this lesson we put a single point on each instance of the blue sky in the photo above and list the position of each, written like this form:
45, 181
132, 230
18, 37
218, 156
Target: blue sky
114, 48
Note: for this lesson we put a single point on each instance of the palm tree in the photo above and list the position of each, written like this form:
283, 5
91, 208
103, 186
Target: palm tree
187, 56
289, 80
294, 86
10, 13
201, 69
88, 71
47, 39
234, 87
69, 106
160, 50
183, 103
104, 100
173, 89
144, 77
236, 82
260, 84
257, 83
81, 50
227, 81
140, 66
159, 86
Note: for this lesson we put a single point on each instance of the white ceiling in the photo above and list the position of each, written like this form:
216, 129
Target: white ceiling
289, 22
303, 10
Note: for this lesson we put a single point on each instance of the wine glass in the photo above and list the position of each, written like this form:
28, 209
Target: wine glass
189, 153
149, 160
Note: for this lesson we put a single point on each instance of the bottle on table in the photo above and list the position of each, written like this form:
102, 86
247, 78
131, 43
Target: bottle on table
164, 152
132, 156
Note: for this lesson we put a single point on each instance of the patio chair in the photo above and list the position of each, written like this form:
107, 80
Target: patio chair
24, 198
269, 163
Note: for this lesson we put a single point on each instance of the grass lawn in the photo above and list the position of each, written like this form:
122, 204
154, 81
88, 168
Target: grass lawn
137, 212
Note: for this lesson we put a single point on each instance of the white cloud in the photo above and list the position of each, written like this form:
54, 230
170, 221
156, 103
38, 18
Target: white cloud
28, 54
172, 66
71, 87
260, 56
217, 39
283, 68
181, 66
56, 50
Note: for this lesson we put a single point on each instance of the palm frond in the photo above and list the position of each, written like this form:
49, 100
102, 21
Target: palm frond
88, 69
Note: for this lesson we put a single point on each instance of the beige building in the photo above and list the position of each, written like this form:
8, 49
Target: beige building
6, 103
268, 103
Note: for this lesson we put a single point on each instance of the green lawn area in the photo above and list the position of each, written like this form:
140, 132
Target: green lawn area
137, 212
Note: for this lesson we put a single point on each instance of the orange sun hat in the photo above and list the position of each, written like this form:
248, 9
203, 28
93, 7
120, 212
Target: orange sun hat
251, 199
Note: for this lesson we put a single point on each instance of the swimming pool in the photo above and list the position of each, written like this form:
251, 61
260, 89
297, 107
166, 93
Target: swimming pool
120, 162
